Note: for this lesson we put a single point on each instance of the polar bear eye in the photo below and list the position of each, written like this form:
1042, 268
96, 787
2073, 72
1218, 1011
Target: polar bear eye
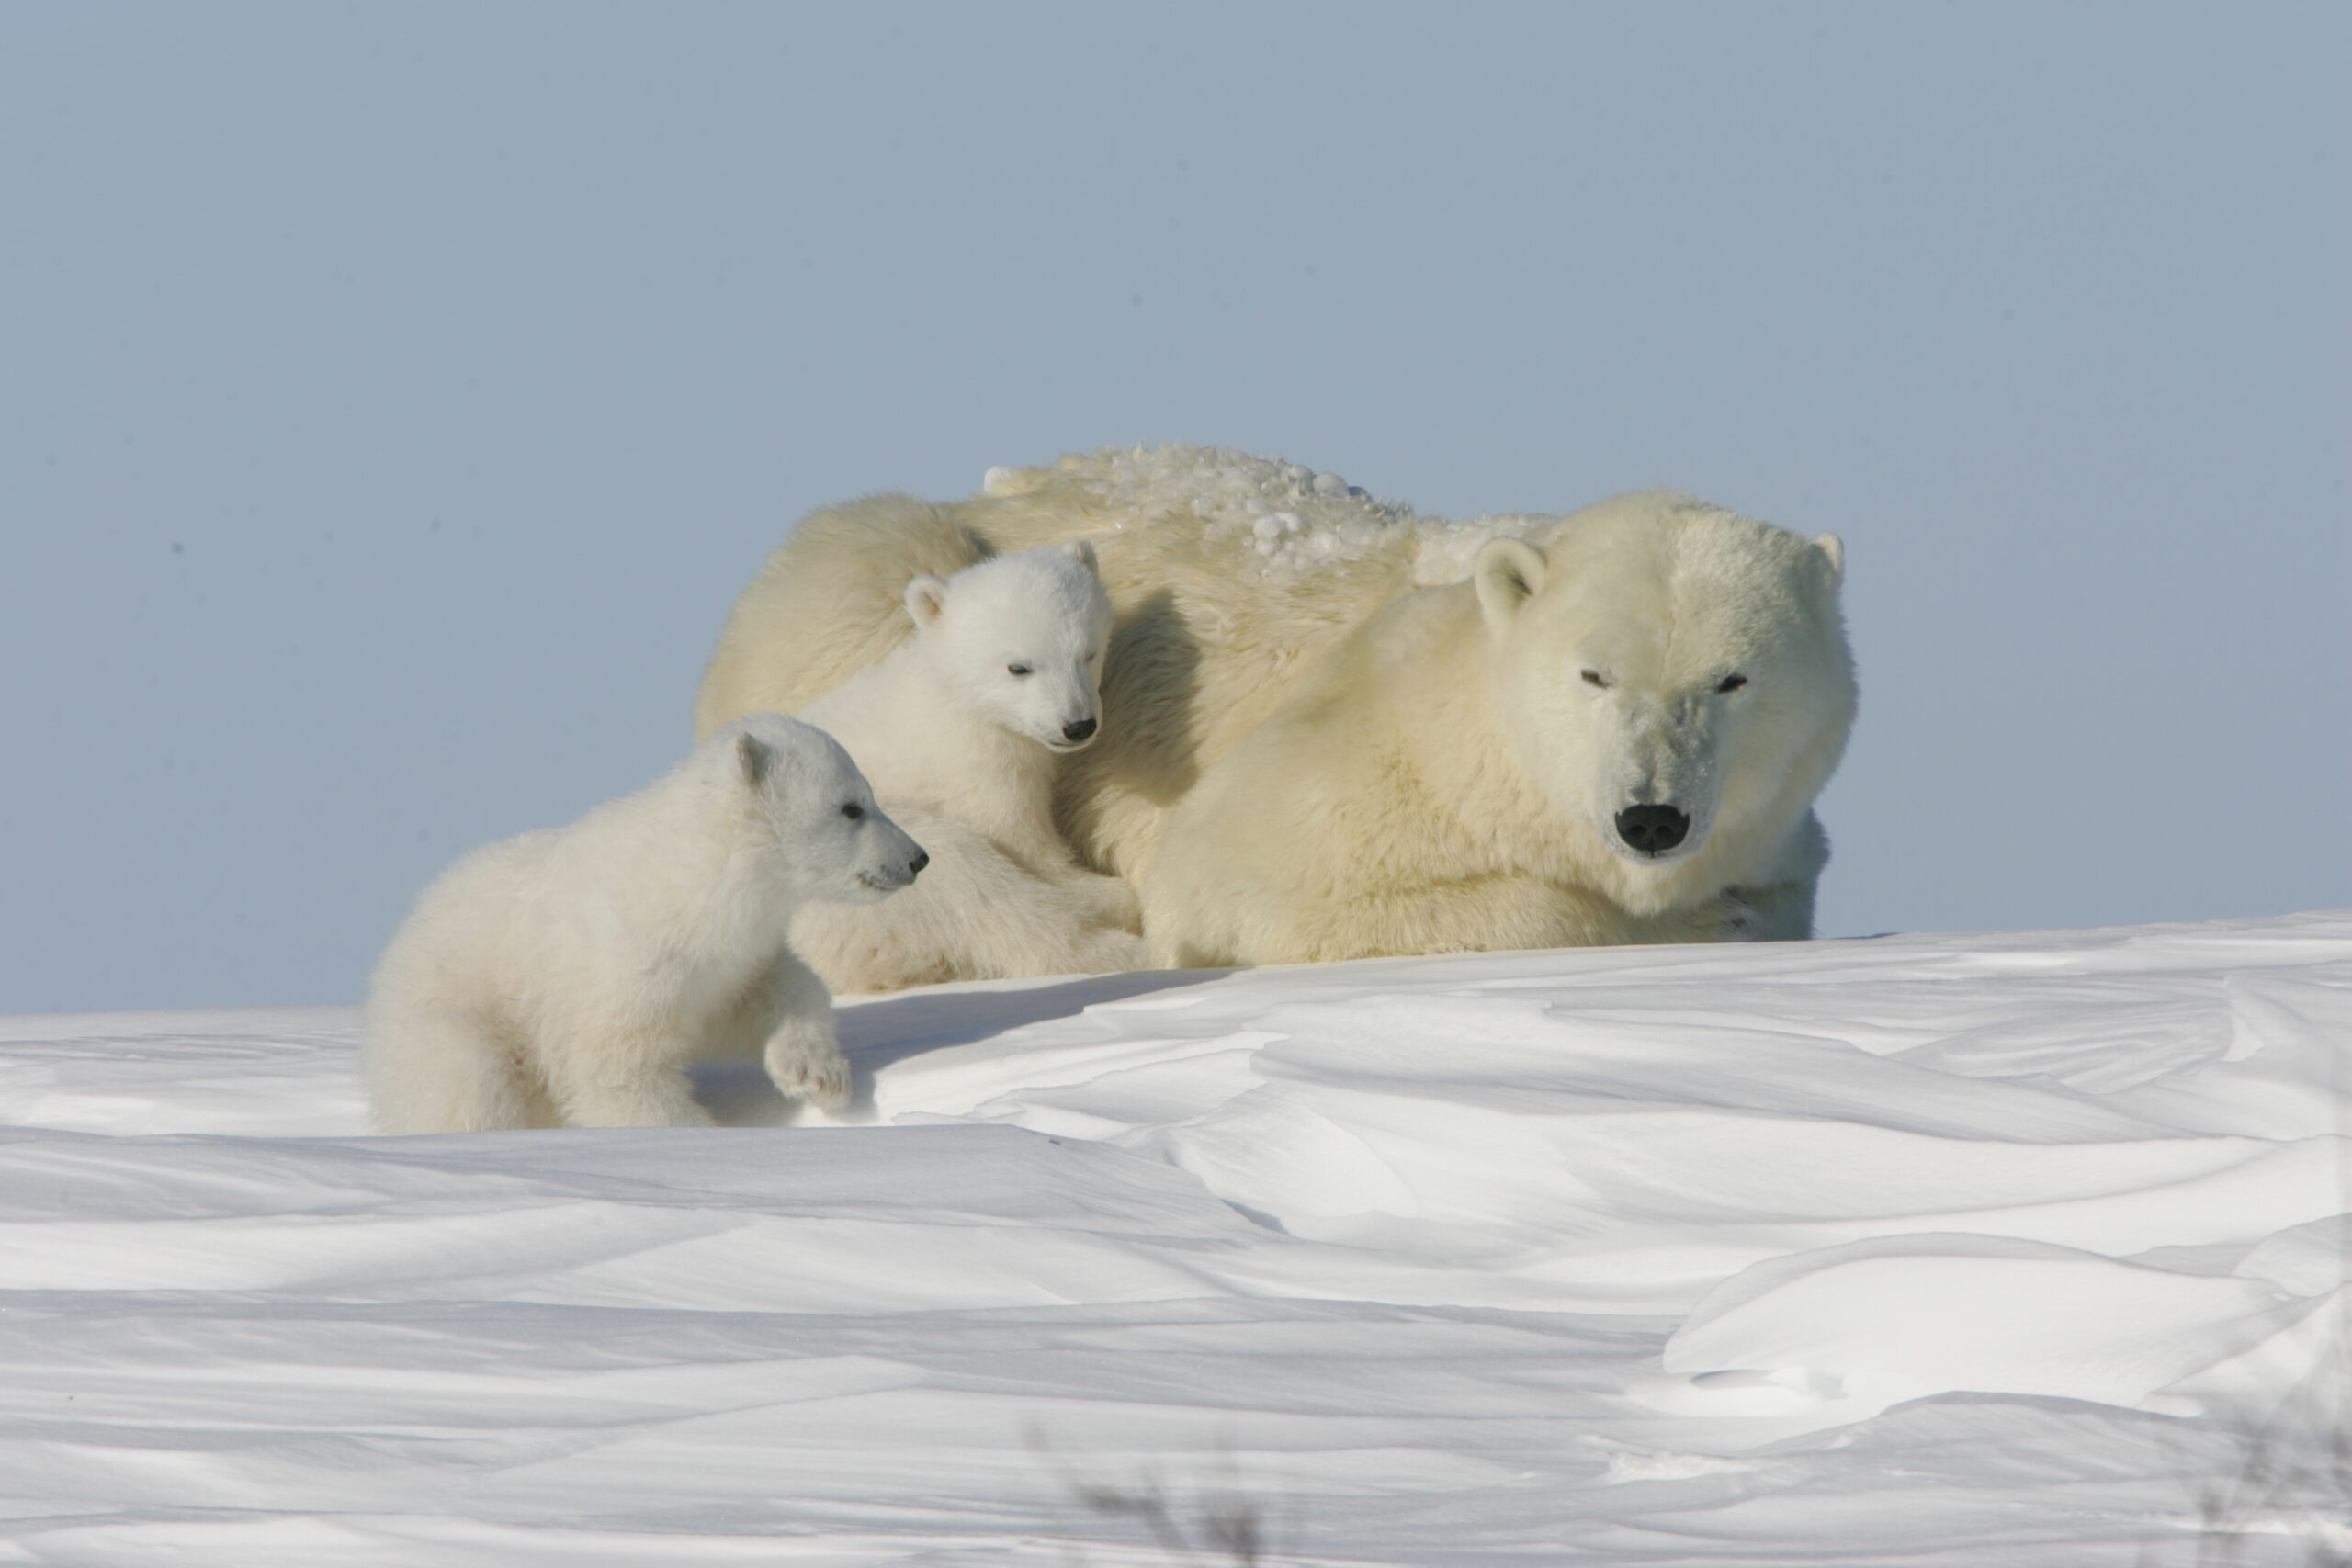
1732, 683
1016, 669
852, 812
1592, 678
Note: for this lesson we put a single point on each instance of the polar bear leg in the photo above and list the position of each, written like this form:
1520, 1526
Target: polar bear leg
873, 947
662, 1098
739, 1033
624, 1081
803, 1054
1017, 921
437, 1070
1005, 916
978, 913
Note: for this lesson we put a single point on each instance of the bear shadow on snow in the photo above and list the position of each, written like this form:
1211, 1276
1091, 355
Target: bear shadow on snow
884, 1031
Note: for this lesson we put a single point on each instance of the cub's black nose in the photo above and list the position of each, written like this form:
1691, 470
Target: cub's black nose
1078, 730
1652, 829
914, 866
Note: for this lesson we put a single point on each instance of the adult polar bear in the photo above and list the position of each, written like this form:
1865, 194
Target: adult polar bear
1333, 729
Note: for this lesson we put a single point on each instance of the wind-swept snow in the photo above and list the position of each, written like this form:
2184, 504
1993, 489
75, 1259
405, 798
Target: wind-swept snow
2022, 1249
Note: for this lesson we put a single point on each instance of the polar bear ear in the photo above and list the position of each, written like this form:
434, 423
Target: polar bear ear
1833, 550
926, 596
1083, 553
1508, 573
754, 757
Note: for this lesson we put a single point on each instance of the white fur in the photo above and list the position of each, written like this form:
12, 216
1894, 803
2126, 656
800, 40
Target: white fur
1339, 729
568, 977
1450, 773
961, 749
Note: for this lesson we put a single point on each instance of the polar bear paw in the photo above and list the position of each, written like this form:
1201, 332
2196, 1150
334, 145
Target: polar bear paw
811, 1067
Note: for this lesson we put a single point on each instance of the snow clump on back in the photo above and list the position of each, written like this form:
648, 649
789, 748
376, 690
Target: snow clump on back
1292, 518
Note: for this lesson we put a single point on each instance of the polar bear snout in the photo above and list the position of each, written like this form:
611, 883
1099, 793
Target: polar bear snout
891, 878
1652, 829
1063, 735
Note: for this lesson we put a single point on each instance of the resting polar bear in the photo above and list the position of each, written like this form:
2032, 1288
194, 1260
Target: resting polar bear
568, 977
1338, 730
958, 730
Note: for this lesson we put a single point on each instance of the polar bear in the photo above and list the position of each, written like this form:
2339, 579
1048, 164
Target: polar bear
958, 730
1341, 730
568, 977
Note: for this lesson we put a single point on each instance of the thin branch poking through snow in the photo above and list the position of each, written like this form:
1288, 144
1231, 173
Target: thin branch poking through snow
2295, 1479
1213, 1524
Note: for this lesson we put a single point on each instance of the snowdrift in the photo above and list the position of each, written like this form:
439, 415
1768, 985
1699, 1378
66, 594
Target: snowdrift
2024, 1248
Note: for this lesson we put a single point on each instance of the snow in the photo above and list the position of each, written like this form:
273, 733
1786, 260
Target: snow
2023, 1247
1293, 519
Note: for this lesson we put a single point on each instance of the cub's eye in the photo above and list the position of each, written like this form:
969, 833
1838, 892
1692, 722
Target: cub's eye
1732, 683
1016, 669
852, 812
1592, 678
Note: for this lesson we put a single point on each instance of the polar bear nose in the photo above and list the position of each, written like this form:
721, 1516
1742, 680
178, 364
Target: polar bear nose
1078, 730
914, 866
1652, 829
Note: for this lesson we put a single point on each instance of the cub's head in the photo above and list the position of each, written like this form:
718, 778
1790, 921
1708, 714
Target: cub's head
1022, 639
1670, 672
799, 786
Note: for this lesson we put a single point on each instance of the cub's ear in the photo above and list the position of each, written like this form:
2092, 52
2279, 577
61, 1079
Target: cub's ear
753, 758
1083, 553
1833, 550
1508, 573
926, 596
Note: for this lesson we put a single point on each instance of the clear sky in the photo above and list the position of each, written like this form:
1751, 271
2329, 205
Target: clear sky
393, 398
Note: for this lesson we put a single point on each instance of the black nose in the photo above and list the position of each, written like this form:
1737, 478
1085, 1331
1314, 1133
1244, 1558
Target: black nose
914, 866
1078, 730
1652, 829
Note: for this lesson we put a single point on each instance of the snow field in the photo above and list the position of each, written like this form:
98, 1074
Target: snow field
2023, 1248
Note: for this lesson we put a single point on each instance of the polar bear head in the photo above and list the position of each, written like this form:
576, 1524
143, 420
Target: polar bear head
1021, 637
812, 807
1670, 672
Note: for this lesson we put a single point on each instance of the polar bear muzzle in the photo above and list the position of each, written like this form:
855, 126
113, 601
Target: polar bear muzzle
891, 878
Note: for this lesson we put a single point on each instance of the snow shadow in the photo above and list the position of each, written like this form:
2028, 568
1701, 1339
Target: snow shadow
882, 1032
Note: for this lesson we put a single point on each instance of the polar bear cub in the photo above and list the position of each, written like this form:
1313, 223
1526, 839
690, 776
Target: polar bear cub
959, 728
568, 977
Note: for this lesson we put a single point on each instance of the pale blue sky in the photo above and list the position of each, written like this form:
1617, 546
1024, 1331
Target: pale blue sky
392, 398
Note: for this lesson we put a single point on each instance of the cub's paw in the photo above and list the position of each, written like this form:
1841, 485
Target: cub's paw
813, 1070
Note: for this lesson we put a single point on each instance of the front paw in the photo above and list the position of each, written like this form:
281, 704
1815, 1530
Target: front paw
810, 1069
